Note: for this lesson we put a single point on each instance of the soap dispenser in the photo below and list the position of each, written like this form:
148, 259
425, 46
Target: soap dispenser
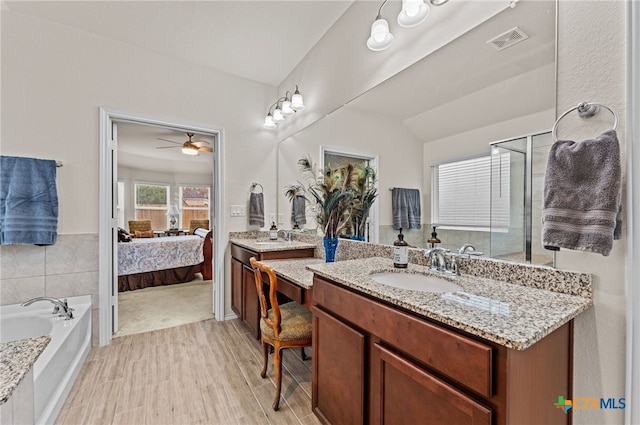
273, 232
434, 238
400, 252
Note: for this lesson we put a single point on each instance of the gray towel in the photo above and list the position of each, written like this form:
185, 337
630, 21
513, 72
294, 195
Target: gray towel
405, 208
299, 210
256, 209
582, 195
28, 201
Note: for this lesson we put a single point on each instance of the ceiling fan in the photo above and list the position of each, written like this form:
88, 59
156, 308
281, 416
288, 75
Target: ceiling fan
189, 147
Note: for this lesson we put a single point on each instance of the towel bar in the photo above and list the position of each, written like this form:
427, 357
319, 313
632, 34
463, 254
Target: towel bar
253, 186
585, 110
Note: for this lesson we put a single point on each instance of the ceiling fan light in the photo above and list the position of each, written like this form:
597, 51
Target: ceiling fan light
268, 122
189, 150
297, 104
380, 37
413, 13
286, 108
277, 116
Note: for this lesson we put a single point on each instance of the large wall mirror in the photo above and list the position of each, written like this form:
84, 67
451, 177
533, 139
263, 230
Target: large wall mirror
452, 105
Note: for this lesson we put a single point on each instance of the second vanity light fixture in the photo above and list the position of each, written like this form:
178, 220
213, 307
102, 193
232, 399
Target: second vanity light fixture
285, 106
414, 12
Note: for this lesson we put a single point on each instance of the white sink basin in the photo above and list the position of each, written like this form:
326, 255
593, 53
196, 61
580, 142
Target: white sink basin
416, 282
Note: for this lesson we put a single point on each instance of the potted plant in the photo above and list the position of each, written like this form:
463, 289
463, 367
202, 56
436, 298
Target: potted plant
331, 194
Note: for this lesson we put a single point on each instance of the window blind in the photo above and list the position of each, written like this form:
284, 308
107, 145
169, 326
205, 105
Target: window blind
461, 192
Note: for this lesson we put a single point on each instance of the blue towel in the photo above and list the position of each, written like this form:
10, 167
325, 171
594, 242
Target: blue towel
28, 201
405, 208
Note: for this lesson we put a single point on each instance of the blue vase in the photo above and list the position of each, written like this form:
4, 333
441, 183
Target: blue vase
330, 247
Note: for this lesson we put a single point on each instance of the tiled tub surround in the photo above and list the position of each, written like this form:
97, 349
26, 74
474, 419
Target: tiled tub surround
67, 269
514, 316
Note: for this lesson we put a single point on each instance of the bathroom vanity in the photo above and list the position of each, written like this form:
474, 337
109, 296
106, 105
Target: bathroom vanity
244, 300
493, 353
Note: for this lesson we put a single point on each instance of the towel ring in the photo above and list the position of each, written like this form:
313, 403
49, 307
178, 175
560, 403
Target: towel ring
585, 110
253, 186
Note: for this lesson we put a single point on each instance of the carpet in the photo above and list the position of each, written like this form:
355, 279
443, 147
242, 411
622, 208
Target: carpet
161, 307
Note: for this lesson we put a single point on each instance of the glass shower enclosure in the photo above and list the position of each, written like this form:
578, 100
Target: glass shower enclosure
517, 180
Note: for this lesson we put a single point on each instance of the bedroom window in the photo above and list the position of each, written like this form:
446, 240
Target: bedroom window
461, 193
195, 203
152, 203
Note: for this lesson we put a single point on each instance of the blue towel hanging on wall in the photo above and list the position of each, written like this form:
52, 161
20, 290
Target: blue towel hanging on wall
28, 201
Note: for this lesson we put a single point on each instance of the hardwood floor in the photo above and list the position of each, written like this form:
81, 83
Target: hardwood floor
202, 373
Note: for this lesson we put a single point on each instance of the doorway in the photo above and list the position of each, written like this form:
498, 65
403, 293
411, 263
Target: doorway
108, 273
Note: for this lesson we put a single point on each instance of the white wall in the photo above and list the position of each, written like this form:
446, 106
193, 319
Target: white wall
55, 79
350, 129
591, 67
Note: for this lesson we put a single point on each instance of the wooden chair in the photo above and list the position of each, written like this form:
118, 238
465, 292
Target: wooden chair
281, 326
193, 224
139, 225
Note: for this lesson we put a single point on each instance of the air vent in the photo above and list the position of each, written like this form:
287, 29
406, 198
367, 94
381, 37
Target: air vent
508, 39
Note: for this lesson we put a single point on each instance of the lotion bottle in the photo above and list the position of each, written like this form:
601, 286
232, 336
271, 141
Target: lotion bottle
273, 232
400, 252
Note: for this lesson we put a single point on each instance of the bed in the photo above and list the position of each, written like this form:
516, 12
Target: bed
146, 262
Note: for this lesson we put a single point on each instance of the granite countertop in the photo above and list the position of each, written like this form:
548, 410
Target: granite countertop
511, 315
266, 245
16, 360
295, 270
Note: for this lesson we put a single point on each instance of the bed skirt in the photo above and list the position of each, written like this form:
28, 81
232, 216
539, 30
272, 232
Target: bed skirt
158, 278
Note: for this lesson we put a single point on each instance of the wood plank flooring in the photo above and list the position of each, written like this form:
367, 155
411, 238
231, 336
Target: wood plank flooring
201, 373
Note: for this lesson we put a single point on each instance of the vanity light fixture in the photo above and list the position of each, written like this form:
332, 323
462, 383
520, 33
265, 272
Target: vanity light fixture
284, 107
380, 37
413, 13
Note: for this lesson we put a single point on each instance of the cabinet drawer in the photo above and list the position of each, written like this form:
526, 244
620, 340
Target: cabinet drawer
466, 361
242, 254
294, 292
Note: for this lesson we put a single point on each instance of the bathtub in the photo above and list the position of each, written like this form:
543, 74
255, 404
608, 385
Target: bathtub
59, 364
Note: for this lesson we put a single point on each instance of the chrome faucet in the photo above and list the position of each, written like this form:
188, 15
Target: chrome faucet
436, 259
58, 305
469, 250
286, 234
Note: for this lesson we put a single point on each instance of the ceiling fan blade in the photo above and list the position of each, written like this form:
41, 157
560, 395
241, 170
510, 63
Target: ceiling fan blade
205, 148
167, 140
199, 144
202, 142
166, 147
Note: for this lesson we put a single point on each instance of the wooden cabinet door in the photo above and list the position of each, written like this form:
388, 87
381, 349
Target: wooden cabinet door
403, 393
338, 371
236, 287
250, 303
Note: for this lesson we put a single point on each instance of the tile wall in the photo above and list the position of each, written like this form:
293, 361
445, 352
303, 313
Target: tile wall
66, 269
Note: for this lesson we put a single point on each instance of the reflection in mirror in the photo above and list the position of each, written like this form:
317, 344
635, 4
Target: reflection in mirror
449, 106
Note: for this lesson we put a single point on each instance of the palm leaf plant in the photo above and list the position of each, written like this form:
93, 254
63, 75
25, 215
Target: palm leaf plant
364, 194
331, 194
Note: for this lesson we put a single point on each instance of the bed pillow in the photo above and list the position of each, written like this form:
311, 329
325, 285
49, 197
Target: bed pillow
145, 234
123, 236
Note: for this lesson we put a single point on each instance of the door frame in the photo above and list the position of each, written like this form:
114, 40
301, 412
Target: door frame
374, 214
108, 175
